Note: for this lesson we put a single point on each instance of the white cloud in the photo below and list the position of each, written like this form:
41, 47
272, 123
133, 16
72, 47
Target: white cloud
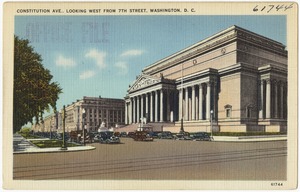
87, 74
122, 66
62, 61
98, 56
132, 52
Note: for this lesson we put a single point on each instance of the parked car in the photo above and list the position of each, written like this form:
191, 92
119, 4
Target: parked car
183, 136
117, 134
123, 134
130, 134
108, 137
201, 136
142, 136
165, 135
96, 137
154, 134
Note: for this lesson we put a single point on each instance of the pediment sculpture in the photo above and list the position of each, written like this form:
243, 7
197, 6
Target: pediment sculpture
143, 81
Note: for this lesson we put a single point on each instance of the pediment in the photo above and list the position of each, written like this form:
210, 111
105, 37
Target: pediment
144, 81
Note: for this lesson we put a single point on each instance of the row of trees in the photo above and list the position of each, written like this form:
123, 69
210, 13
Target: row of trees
33, 91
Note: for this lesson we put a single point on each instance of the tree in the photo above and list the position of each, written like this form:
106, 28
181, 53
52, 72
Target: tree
33, 90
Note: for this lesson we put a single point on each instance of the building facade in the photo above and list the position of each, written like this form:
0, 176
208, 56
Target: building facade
236, 78
89, 112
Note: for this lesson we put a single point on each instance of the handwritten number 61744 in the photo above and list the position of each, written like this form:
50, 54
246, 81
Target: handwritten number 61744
270, 7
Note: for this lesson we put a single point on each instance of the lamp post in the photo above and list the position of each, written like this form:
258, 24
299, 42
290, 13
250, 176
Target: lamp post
211, 122
64, 147
83, 118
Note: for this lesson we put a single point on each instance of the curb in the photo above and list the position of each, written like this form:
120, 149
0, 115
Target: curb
250, 138
55, 150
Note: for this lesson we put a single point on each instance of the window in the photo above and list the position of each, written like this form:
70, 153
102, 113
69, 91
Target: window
228, 109
249, 109
228, 113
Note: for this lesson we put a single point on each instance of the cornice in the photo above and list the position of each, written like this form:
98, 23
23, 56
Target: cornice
224, 37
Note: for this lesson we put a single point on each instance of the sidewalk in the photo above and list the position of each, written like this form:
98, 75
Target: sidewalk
251, 138
22, 145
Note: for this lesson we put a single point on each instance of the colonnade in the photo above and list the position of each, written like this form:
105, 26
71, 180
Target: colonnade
273, 97
196, 101
154, 105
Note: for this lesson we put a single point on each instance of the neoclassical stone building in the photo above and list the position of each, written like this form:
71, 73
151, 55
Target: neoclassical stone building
96, 111
236, 77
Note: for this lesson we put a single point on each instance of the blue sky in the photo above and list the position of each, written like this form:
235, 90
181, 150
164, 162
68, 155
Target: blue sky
102, 55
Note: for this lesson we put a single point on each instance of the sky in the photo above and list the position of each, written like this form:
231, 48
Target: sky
102, 55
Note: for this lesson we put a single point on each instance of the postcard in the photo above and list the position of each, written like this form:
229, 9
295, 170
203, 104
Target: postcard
150, 95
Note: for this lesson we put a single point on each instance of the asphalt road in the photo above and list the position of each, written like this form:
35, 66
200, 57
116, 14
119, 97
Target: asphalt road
159, 160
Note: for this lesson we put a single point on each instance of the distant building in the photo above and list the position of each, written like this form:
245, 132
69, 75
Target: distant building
236, 77
98, 110
49, 123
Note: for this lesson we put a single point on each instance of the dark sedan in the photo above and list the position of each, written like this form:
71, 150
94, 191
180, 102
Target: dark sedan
108, 137
201, 136
165, 135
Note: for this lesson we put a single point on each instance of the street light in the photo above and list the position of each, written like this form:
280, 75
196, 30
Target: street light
64, 147
211, 122
83, 117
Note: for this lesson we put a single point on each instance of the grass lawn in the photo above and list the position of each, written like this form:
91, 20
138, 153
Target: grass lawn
29, 136
52, 143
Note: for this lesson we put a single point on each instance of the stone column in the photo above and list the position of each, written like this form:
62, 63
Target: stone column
138, 109
156, 106
161, 106
142, 106
147, 108
268, 99
200, 102
261, 110
193, 103
129, 112
208, 100
215, 98
186, 114
126, 108
133, 110
151, 107
168, 105
180, 114
275, 99
281, 100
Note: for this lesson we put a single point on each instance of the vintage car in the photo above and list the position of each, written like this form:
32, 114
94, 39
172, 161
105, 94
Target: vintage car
200, 136
165, 135
108, 137
130, 134
123, 134
77, 136
154, 134
142, 136
183, 136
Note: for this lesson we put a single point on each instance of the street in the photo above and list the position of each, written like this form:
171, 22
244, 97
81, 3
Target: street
159, 160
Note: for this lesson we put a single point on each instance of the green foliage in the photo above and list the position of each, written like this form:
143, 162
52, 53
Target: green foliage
33, 90
25, 130
51, 143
